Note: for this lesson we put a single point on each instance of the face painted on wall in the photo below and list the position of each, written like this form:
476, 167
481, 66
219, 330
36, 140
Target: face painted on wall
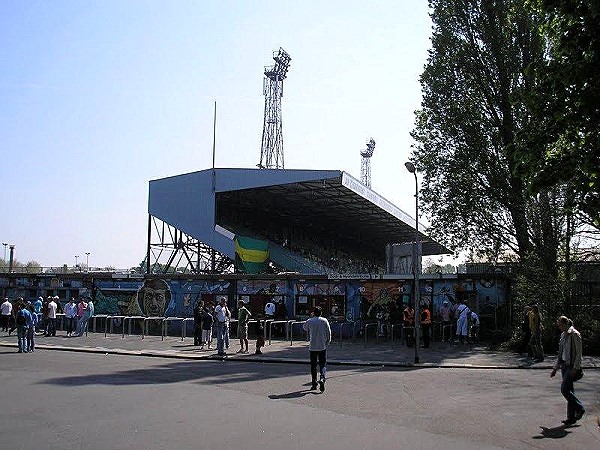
153, 297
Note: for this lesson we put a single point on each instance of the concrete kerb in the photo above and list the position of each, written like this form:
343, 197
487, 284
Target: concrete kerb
275, 360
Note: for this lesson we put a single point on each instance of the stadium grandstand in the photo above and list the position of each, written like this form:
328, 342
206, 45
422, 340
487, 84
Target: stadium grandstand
275, 220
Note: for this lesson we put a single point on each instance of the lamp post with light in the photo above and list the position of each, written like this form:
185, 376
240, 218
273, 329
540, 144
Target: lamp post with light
76, 258
87, 261
416, 260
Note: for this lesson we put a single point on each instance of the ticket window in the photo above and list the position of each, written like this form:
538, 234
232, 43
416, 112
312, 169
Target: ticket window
303, 306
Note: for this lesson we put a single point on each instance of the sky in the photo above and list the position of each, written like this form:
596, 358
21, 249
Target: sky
97, 98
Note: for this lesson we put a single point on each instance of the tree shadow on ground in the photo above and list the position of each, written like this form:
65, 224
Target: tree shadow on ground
209, 372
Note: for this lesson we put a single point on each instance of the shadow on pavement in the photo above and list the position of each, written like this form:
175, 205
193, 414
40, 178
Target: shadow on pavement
553, 433
295, 394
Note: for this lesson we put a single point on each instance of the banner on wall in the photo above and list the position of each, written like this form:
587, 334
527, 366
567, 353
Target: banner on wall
251, 255
261, 287
320, 288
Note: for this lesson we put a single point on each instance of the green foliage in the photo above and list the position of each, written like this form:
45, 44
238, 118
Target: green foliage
563, 137
469, 133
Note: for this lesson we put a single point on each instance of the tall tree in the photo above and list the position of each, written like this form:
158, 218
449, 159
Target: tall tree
566, 103
469, 131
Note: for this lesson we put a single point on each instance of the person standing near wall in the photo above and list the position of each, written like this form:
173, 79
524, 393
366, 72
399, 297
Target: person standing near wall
87, 313
320, 337
535, 343
462, 321
71, 316
425, 324
31, 324
221, 312
569, 363
22, 318
243, 318
51, 328
6, 309
198, 322
207, 324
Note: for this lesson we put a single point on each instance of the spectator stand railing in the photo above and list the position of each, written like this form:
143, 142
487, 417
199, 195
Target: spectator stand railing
149, 319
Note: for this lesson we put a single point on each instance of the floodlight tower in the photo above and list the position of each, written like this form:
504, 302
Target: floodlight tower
271, 152
365, 164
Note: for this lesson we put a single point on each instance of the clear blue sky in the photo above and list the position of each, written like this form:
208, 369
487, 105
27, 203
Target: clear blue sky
99, 97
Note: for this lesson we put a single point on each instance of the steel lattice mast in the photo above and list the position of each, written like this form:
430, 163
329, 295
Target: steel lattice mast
271, 153
365, 163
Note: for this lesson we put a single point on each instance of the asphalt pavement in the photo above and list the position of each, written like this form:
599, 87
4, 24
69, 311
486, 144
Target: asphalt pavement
349, 351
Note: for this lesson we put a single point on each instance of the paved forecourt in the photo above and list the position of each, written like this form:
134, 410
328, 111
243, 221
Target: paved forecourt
349, 352
74, 400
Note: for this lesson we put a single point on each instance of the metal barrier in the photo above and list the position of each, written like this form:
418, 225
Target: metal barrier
292, 322
146, 321
98, 316
184, 326
62, 320
131, 319
403, 333
106, 323
112, 322
448, 327
166, 321
393, 327
341, 326
271, 327
367, 325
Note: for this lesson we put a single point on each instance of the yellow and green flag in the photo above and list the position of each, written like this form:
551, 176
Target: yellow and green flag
251, 255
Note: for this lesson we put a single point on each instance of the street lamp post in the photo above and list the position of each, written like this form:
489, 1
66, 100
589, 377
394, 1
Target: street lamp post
416, 260
87, 261
76, 258
5, 244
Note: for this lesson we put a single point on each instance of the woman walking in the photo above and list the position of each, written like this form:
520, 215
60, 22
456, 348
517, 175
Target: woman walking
569, 362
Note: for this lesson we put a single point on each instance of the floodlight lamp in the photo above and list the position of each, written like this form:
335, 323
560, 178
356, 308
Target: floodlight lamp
410, 167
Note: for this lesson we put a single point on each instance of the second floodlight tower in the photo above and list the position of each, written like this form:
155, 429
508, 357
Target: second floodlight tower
271, 152
365, 163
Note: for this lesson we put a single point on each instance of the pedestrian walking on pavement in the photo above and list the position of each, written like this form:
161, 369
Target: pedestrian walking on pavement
319, 333
569, 362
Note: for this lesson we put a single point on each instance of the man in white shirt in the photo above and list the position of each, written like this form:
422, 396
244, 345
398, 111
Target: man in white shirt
221, 312
51, 328
320, 336
71, 316
6, 309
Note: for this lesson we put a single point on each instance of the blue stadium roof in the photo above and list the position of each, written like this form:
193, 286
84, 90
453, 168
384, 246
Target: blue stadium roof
214, 205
